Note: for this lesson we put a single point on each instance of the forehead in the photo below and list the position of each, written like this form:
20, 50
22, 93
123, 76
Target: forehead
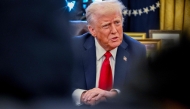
107, 17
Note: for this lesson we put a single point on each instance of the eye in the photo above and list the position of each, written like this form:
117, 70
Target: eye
106, 26
117, 22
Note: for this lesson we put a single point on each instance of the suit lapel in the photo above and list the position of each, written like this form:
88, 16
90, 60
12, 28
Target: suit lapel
89, 59
121, 65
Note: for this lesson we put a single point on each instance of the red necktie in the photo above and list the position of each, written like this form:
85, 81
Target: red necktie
105, 81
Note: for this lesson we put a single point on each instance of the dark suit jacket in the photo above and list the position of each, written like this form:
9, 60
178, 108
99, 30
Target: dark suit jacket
84, 70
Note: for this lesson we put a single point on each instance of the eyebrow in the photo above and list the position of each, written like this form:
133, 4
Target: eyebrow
108, 22
105, 23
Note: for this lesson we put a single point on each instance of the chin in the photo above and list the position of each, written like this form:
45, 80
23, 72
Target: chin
115, 45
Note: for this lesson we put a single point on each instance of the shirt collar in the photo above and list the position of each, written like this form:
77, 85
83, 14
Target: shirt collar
100, 51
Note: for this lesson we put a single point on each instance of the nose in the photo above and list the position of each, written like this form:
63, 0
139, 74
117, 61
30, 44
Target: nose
113, 29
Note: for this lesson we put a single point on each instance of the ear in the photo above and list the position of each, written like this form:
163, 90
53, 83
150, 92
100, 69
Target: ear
92, 30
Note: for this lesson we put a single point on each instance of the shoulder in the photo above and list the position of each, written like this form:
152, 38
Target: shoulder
133, 46
131, 42
82, 37
83, 41
136, 49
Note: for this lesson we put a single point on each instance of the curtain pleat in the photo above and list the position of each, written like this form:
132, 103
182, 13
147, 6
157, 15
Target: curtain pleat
186, 22
179, 14
169, 15
175, 15
162, 14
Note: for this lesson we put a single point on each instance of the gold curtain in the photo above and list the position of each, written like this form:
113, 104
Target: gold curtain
175, 15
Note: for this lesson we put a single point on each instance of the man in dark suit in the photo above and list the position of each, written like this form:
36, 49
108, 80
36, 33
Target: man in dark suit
105, 22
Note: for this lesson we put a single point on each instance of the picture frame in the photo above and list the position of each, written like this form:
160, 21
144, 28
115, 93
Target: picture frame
136, 35
153, 46
169, 37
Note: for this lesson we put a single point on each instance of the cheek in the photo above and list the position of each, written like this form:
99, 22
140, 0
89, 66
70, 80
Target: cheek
104, 35
121, 36
120, 30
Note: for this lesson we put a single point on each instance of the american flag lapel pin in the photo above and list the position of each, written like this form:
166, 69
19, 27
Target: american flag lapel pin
124, 58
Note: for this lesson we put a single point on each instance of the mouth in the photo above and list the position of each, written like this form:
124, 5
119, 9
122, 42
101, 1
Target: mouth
114, 39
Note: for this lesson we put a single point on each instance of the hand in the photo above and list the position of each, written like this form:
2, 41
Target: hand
96, 95
89, 97
93, 101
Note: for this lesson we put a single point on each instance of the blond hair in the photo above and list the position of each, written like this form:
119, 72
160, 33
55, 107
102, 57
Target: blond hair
101, 7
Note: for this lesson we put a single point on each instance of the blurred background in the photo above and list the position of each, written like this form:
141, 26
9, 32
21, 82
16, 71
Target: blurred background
142, 16
35, 54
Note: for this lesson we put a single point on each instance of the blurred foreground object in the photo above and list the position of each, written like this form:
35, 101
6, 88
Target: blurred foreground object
164, 85
34, 53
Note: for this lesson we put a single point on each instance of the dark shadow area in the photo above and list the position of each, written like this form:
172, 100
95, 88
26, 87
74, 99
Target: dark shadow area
35, 56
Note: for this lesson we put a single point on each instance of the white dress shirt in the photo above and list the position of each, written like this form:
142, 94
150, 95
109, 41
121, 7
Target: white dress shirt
76, 95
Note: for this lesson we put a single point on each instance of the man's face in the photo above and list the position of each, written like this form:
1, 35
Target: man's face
108, 29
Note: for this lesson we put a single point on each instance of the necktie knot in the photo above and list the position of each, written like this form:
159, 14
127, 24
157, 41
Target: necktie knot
107, 55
